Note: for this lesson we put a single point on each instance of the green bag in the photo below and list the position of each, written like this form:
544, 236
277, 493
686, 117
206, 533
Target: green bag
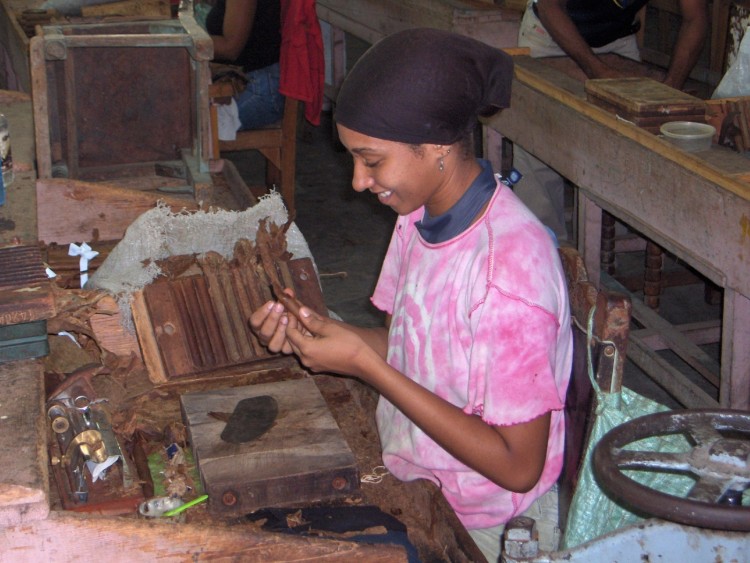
592, 512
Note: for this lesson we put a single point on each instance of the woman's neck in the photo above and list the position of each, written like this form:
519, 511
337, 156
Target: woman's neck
459, 178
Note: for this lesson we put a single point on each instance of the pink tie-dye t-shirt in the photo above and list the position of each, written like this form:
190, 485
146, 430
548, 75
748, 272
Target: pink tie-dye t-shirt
481, 320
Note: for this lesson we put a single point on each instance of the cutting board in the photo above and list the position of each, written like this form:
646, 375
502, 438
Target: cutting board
301, 458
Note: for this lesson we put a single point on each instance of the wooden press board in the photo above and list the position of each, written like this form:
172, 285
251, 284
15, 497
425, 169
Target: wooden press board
638, 96
196, 325
302, 458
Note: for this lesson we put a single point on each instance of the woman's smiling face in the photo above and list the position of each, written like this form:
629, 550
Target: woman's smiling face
404, 177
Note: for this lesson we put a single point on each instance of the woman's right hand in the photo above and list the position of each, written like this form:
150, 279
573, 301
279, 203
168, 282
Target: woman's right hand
327, 345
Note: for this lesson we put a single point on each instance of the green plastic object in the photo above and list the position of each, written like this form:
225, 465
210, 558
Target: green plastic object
157, 463
592, 512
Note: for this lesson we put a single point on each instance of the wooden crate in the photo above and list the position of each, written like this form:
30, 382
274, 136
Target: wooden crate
122, 100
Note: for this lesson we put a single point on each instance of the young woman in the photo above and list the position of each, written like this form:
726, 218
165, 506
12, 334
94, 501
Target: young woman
474, 364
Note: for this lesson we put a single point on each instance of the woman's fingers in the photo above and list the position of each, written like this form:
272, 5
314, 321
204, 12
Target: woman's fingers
310, 320
269, 324
278, 341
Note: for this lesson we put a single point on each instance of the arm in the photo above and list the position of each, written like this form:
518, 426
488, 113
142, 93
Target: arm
690, 40
561, 28
511, 456
238, 23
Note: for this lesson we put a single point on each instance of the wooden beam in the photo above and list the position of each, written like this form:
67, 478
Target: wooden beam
699, 333
669, 378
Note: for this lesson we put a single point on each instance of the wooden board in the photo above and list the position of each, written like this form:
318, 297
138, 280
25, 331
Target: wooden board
302, 458
24, 480
155, 8
652, 123
640, 96
74, 211
64, 534
107, 326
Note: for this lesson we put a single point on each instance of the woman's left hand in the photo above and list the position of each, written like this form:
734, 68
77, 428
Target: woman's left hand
270, 322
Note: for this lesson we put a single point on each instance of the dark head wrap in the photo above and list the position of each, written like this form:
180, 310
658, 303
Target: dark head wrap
424, 86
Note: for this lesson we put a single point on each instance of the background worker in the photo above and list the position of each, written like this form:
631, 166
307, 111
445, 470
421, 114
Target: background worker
247, 34
583, 30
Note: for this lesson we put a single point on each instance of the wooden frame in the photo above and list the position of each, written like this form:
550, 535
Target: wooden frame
98, 89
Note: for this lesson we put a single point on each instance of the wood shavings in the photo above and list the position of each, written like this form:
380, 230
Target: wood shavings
74, 308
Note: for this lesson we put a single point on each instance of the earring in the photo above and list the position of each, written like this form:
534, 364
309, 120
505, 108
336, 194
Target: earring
441, 163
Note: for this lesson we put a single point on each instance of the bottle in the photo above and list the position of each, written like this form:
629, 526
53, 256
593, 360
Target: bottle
6, 157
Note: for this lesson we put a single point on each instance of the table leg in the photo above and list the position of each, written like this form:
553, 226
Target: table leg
735, 351
590, 235
653, 274
608, 243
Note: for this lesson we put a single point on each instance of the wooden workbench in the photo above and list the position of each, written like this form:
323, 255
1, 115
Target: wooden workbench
694, 205
33, 531
34, 528
371, 20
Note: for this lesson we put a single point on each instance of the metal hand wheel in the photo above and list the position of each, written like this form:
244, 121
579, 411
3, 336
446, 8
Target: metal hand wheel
719, 461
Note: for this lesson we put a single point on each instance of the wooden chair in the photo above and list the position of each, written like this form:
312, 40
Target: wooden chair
611, 325
277, 143
609, 335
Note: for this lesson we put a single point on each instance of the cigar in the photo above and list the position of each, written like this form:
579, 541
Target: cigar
291, 305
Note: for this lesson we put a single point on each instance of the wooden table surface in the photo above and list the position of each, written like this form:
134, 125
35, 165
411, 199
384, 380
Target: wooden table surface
694, 205
31, 529
371, 20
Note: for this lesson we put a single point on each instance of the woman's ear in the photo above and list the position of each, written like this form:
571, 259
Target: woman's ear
439, 151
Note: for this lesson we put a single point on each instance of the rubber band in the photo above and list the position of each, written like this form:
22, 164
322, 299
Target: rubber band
378, 474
